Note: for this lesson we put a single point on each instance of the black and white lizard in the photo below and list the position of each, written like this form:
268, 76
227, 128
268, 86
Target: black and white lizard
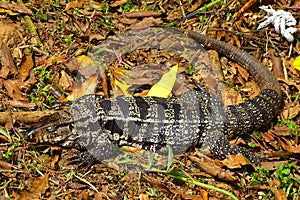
152, 123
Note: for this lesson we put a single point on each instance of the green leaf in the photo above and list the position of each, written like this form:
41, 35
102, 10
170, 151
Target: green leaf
170, 157
296, 63
251, 144
3, 132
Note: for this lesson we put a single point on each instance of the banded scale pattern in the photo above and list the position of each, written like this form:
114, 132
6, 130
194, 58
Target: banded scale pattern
197, 118
149, 123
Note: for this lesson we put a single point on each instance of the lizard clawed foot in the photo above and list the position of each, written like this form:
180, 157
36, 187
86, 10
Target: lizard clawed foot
83, 159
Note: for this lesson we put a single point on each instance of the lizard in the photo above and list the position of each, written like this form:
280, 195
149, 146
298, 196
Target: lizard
151, 123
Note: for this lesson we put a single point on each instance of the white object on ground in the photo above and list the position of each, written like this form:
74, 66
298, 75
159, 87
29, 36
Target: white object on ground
282, 21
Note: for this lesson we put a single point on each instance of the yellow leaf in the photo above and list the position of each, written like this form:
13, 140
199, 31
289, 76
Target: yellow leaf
164, 86
85, 61
296, 63
132, 149
2, 10
123, 86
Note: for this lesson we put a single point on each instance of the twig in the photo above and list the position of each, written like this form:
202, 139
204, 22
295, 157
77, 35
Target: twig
88, 183
203, 185
243, 9
202, 9
186, 178
33, 31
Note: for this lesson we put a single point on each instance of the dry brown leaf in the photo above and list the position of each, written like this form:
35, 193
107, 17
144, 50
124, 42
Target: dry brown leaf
279, 194
54, 156
243, 9
141, 94
244, 73
180, 87
268, 136
146, 22
253, 87
126, 20
20, 104
74, 4
204, 194
30, 81
145, 74
65, 81
240, 73
98, 196
190, 196
9, 125
212, 60
96, 5
296, 3
158, 184
223, 185
26, 64
88, 67
232, 97
291, 110
237, 141
287, 145
281, 131
196, 5
13, 88
144, 197
221, 34
211, 168
184, 195
288, 63
73, 65
81, 4
272, 165
88, 87
9, 34
25, 117
50, 61
5, 165
104, 84
118, 3
236, 161
290, 83
35, 187
94, 36
277, 64
236, 41
142, 14
16, 8
84, 195
4, 139
7, 62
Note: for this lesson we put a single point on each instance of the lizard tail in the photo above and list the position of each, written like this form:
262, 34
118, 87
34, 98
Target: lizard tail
262, 75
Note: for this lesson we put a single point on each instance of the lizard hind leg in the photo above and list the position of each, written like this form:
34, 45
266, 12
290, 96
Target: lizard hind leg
220, 148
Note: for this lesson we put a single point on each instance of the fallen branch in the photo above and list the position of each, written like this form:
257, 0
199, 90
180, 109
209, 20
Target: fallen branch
24, 117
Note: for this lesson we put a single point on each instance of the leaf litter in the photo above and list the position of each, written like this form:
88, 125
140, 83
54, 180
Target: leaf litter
66, 30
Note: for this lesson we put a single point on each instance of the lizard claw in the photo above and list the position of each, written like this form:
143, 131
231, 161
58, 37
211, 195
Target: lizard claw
83, 159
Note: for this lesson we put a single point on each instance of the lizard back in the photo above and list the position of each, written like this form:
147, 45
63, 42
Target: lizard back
150, 123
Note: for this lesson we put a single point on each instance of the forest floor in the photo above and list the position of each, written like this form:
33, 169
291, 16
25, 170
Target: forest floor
44, 44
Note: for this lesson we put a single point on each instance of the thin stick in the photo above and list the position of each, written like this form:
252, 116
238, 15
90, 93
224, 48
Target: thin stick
202, 9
